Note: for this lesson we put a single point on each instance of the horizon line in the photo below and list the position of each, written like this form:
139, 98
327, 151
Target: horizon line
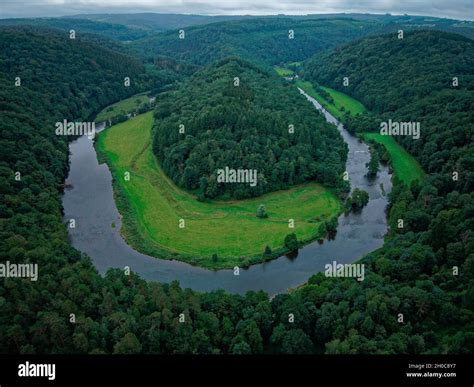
388, 14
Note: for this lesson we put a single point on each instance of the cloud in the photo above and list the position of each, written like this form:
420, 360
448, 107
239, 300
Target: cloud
458, 9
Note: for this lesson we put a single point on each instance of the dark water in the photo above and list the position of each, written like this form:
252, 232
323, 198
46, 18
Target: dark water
90, 202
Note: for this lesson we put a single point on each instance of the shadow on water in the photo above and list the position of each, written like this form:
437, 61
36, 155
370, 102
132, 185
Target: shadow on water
292, 255
89, 200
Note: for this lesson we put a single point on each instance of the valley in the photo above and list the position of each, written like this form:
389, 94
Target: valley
102, 237
405, 166
143, 239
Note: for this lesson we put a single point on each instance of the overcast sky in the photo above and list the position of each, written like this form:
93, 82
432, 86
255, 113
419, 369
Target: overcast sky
457, 9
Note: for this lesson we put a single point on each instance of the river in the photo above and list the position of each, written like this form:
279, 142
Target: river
89, 200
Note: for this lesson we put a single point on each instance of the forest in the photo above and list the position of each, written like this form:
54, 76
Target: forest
109, 30
412, 79
260, 123
411, 275
266, 41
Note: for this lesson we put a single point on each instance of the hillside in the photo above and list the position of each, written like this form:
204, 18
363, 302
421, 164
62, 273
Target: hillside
53, 67
430, 221
244, 127
155, 22
260, 39
110, 30
60, 80
411, 79
411, 275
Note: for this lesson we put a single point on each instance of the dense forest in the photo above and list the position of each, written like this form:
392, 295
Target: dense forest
133, 26
110, 29
262, 123
123, 28
266, 41
412, 80
411, 275
156, 22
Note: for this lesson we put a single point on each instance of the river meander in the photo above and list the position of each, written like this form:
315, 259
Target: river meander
89, 200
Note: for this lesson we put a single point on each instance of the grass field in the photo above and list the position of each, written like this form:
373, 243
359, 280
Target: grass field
122, 107
283, 72
340, 100
405, 165
152, 207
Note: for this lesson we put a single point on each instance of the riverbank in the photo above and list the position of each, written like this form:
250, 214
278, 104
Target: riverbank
405, 166
341, 103
124, 108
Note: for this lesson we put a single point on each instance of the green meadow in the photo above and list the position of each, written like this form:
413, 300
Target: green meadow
283, 72
122, 107
342, 102
405, 166
153, 206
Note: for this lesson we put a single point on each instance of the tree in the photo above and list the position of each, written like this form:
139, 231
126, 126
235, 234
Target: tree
268, 251
331, 224
240, 348
322, 230
373, 164
129, 344
261, 212
295, 341
358, 199
291, 242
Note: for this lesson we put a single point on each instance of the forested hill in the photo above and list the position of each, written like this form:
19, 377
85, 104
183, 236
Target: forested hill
121, 314
109, 30
149, 21
134, 26
55, 67
401, 70
429, 251
411, 79
262, 39
244, 126
46, 78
